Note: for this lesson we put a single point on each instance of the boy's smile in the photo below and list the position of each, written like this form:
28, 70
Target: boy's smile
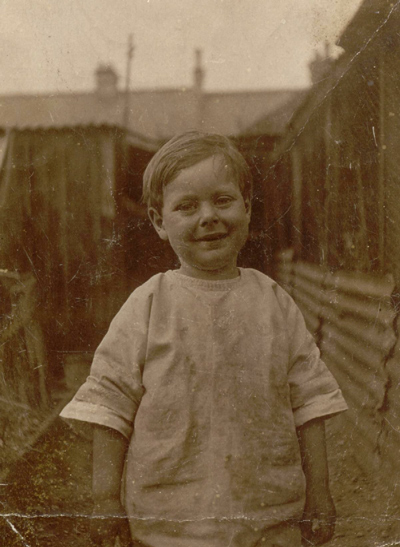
205, 219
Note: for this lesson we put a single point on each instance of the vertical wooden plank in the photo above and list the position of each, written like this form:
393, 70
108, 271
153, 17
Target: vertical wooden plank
23, 363
297, 184
381, 159
37, 361
327, 183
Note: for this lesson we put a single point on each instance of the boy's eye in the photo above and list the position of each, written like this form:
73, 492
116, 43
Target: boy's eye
223, 200
186, 206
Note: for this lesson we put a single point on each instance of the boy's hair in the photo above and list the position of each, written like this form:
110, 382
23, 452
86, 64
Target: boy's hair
185, 150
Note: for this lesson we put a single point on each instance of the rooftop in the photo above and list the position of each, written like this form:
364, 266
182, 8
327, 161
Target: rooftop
154, 113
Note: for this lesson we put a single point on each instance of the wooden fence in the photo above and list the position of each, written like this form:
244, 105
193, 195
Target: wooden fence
23, 363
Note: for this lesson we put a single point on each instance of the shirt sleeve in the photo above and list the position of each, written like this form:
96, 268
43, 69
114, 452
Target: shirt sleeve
314, 392
113, 390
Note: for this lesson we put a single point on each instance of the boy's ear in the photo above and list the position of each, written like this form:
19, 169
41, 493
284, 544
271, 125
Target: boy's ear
157, 222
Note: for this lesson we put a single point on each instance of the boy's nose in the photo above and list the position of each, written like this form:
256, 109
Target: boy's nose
208, 214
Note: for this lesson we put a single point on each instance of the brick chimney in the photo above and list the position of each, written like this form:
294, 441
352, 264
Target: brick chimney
198, 72
321, 64
106, 82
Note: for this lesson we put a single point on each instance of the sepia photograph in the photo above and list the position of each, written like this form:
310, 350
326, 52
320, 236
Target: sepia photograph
199, 273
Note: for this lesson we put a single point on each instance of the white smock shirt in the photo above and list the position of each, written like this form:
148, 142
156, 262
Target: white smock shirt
208, 380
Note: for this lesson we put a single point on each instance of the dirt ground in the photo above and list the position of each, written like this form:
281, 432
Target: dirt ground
45, 497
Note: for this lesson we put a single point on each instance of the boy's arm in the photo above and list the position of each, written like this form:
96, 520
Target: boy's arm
109, 517
318, 522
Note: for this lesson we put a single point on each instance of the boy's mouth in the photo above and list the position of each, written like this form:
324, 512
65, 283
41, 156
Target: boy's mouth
212, 237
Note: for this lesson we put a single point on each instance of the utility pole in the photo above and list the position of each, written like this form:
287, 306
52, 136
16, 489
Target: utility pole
129, 57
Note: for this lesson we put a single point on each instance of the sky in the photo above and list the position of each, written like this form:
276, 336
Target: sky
51, 46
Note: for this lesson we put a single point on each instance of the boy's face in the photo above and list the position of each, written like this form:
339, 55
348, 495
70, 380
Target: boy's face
205, 219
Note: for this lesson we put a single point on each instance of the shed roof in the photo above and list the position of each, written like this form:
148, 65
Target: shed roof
276, 121
234, 113
155, 113
374, 20
369, 18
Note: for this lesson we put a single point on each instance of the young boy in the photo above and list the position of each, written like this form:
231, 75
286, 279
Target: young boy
208, 393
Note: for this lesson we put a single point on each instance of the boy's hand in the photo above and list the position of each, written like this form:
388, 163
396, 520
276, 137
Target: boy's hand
109, 522
318, 521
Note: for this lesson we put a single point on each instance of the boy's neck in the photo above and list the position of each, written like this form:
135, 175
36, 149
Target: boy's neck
210, 275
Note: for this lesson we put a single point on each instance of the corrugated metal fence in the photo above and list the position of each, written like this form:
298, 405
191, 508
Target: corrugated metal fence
353, 318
